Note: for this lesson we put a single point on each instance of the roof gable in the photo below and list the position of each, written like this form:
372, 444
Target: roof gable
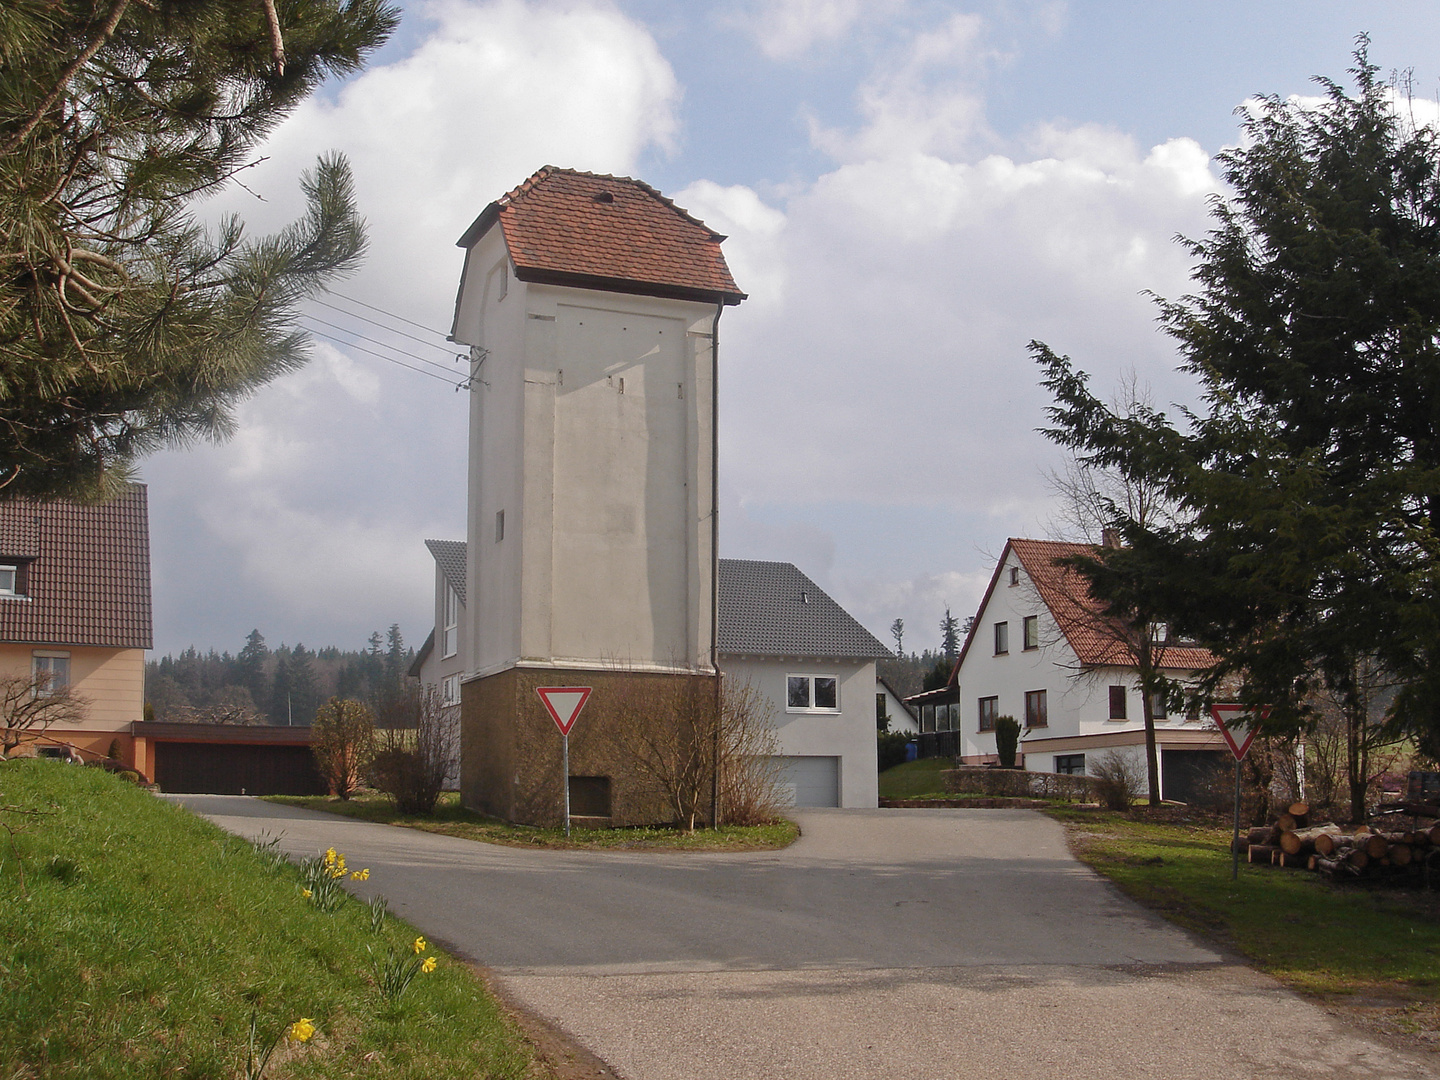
1066, 595
595, 231
88, 572
450, 557
772, 609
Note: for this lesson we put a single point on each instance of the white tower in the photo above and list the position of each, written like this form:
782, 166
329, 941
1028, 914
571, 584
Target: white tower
591, 306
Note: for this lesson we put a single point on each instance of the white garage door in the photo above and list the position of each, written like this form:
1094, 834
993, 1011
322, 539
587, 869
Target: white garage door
811, 781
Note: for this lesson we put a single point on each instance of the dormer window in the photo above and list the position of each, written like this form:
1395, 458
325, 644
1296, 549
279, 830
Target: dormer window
14, 577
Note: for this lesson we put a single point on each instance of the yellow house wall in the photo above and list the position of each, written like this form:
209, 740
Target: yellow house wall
111, 680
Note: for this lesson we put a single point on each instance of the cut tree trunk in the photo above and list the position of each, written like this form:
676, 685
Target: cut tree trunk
1304, 841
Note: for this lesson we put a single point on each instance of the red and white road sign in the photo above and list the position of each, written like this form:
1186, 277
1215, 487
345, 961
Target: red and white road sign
564, 703
1236, 723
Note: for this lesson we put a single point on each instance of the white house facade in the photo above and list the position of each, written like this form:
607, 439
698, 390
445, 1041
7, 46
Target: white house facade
1038, 652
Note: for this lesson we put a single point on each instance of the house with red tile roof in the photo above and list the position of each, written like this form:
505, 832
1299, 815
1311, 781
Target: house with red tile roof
1040, 650
591, 308
75, 611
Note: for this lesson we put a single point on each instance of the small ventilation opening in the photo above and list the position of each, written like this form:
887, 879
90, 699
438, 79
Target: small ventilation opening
605, 196
590, 796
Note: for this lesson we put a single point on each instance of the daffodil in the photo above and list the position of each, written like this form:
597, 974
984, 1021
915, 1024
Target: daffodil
330, 856
301, 1030
418, 946
429, 965
360, 875
306, 893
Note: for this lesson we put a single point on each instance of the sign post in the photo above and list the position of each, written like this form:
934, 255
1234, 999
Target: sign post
564, 703
1238, 726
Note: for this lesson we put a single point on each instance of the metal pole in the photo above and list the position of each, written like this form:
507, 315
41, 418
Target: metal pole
1235, 840
565, 742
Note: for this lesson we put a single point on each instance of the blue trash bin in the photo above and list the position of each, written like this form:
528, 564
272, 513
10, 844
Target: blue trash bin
912, 751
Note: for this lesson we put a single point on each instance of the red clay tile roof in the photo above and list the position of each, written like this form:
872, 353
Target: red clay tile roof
1067, 596
1076, 612
607, 232
87, 571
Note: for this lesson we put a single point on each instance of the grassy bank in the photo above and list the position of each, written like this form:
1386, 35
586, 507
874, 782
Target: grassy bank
1371, 945
914, 779
136, 940
452, 819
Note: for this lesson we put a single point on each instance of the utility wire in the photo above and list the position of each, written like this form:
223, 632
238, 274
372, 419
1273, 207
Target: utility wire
457, 384
391, 314
387, 329
382, 344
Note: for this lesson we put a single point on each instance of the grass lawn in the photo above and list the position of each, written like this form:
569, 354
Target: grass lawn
1370, 945
136, 939
914, 779
452, 819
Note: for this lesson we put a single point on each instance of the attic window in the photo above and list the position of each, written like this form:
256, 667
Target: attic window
14, 577
605, 196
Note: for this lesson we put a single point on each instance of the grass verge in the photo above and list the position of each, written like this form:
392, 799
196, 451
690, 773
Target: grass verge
136, 940
914, 779
1371, 946
452, 819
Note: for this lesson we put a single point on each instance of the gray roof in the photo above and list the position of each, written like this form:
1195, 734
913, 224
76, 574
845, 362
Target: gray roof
772, 609
450, 555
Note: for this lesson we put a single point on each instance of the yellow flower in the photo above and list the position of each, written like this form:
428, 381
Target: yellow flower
418, 946
330, 856
301, 1030
360, 875
306, 893
429, 965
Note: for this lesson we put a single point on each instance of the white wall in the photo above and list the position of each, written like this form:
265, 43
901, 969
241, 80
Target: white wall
900, 719
591, 430
848, 734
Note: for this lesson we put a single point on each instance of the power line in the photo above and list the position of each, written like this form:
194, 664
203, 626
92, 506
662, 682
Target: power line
391, 314
373, 341
387, 329
457, 384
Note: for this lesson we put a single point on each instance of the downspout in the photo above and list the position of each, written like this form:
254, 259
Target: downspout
715, 556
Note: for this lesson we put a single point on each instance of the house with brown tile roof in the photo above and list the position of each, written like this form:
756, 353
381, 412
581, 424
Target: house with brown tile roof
1041, 650
75, 605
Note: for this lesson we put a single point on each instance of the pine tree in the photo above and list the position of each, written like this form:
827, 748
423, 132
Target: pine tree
124, 325
304, 688
950, 636
249, 668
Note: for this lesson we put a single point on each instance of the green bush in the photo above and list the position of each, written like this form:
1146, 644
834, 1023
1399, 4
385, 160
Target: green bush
1007, 740
890, 749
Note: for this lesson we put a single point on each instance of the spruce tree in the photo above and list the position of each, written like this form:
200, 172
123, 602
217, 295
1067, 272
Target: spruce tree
125, 326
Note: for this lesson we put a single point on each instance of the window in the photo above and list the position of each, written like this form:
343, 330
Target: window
927, 719
450, 690
499, 525
1157, 706
1070, 764
812, 693
51, 671
1160, 633
989, 710
880, 714
1014, 575
1002, 638
13, 578
1030, 630
1117, 703
1035, 709
450, 636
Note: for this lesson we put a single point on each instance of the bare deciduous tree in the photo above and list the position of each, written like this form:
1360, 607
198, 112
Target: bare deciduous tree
343, 740
417, 741
29, 704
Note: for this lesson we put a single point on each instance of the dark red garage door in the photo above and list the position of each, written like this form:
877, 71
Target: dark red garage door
227, 769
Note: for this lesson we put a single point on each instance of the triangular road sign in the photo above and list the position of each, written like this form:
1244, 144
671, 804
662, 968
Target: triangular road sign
1236, 723
563, 703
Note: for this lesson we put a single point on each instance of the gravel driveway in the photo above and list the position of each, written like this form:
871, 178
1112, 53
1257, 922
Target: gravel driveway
883, 944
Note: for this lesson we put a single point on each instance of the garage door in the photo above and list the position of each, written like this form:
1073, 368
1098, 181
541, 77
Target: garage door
221, 769
811, 781
1194, 776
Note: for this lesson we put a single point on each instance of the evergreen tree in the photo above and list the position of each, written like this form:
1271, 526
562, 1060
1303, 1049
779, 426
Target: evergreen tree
304, 687
281, 703
1308, 521
124, 325
950, 636
249, 668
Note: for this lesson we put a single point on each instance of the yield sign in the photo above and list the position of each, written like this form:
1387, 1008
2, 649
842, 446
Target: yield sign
1236, 724
563, 703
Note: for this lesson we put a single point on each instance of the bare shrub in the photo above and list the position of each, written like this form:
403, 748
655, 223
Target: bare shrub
750, 768
414, 747
29, 704
1118, 780
665, 727
343, 741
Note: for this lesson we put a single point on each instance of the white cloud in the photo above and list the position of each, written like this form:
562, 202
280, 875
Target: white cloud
787, 29
309, 522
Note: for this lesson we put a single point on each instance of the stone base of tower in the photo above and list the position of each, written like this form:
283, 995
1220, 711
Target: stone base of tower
511, 752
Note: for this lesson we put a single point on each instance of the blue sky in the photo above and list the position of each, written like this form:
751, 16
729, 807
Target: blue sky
914, 189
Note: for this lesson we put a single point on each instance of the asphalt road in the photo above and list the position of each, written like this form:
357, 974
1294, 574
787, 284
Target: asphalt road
883, 944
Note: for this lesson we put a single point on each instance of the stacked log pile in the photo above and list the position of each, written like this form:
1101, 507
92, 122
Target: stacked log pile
1382, 848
